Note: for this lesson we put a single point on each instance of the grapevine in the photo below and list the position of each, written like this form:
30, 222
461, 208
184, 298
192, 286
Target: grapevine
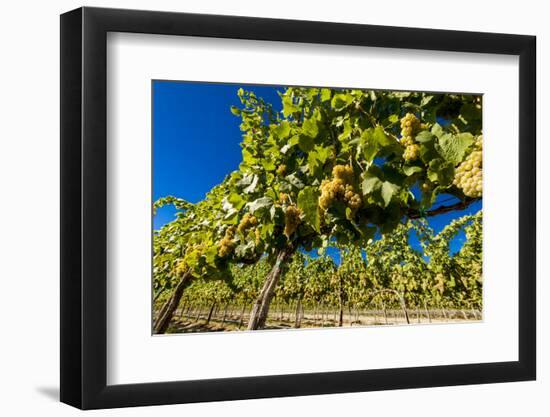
338, 167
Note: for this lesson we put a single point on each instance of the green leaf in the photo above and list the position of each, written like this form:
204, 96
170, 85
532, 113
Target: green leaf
294, 140
437, 130
323, 153
288, 106
425, 100
295, 181
346, 132
317, 158
388, 190
428, 152
268, 165
370, 184
235, 110
410, 170
282, 131
441, 171
245, 249
325, 94
248, 158
236, 200
210, 254
470, 112
259, 204
394, 118
379, 135
369, 151
308, 202
305, 143
453, 147
341, 101
231, 217
369, 146
310, 127
424, 136
253, 185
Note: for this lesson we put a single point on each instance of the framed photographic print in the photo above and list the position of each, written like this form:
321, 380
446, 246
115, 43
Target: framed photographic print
293, 207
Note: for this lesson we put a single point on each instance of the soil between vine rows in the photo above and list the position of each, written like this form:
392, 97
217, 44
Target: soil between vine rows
198, 322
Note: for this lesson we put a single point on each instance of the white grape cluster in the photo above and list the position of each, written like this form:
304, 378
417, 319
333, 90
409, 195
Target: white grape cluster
247, 222
292, 220
469, 174
410, 125
227, 245
340, 187
412, 152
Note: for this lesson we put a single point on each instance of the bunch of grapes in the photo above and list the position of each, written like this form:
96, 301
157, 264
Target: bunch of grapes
292, 220
247, 222
227, 245
281, 170
352, 199
469, 174
340, 188
180, 269
343, 172
479, 143
410, 126
412, 152
331, 190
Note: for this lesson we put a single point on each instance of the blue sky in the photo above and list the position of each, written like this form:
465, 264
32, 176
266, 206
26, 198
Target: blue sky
196, 142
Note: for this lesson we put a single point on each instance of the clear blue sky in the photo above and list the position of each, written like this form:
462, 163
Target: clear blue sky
196, 142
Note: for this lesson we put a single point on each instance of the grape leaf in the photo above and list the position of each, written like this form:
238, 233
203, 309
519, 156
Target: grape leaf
308, 202
370, 183
341, 101
453, 147
259, 204
310, 127
388, 190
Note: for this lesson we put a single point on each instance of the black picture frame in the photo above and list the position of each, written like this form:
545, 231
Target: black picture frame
84, 207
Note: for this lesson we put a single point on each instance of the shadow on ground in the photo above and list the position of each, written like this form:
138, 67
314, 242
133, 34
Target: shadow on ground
50, 392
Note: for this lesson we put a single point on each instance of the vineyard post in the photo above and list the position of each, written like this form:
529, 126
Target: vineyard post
404, 308
297, 319
427, 312
210, 312
224, 313
182, 310
242, 315
199, 311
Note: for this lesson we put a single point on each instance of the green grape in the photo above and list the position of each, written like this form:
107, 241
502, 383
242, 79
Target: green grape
292, 220
412, 152
340, 188
469, 174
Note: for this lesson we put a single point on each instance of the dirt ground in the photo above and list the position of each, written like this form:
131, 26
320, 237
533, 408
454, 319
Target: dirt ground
197, 323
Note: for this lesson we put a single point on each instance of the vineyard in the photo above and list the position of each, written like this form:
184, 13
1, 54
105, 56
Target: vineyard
326, 223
